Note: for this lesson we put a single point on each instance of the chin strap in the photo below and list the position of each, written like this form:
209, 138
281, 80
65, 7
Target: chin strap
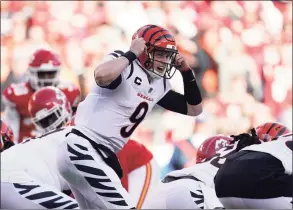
150, 75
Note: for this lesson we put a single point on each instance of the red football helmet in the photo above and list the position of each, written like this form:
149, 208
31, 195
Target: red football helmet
270, 131
6, 136
49, 108
160, 44
210, 146
44, 69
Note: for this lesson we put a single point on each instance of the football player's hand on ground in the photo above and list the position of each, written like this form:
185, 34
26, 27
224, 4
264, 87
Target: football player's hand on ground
137, 46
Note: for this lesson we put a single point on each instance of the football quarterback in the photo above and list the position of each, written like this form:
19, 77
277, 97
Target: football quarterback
128, 85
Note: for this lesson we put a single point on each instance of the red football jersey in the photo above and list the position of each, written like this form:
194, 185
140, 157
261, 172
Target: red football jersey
18, 95
72, 93
132, 156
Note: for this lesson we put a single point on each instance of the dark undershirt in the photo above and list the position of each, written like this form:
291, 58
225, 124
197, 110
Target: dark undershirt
174, 102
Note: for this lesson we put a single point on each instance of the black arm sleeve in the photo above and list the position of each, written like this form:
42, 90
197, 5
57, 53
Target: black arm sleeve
177, 102
191, 90
174, 102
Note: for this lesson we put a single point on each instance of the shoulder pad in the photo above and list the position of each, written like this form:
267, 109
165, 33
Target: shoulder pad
114, 54
72, 93
67, 85
15, 91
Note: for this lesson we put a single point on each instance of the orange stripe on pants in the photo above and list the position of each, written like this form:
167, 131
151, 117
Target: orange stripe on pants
145, 186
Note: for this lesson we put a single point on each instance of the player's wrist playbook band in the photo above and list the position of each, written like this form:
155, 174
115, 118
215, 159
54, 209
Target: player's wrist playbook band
191, 90
131, 56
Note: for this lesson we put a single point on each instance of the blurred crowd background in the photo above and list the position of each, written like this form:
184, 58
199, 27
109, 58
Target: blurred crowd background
244, 49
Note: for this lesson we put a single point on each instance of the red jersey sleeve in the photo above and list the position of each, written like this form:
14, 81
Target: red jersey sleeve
9, 97
17, 95
132, 156
72, 93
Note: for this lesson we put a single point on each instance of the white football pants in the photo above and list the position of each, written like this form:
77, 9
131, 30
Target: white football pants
183, 194
141, 181
246, 203
28, 193
95, 185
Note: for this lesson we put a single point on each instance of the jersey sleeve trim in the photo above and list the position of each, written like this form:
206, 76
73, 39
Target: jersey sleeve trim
116, 53
131, 70
119, 52
114, 84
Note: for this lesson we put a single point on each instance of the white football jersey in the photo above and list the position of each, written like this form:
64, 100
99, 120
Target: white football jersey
206, 171
36, 157
109, 116
280, 148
